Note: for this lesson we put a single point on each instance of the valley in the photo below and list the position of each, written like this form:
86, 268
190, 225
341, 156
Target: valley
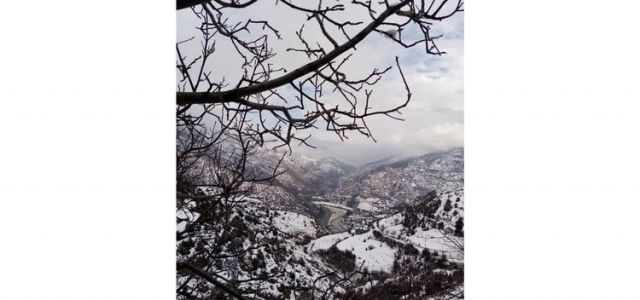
378, 225
340, 197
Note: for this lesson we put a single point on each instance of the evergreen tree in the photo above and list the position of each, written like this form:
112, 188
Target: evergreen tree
459, 227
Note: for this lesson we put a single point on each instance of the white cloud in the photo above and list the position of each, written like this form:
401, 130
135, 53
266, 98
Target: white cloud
393, 140
438, 137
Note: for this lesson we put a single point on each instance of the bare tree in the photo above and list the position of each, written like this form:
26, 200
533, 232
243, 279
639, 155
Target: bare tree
222, 122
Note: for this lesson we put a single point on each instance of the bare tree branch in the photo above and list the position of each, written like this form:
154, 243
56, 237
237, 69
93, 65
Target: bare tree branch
236, 94
207, 277
223, 123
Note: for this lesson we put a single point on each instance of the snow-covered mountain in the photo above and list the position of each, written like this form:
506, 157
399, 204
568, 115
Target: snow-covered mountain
327, 167
302, 175
404, 180
366, 168
394, 180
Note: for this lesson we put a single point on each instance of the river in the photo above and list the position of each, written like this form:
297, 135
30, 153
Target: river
332, 218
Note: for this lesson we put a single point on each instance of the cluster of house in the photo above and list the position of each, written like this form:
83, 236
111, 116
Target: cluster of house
358, 224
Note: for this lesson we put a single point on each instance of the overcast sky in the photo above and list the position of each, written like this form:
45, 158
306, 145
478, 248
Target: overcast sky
434, 119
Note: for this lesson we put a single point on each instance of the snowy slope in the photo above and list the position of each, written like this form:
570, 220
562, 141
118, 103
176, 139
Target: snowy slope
371, 253
294, 224
325, 242
272, 240
407, 179
428, 233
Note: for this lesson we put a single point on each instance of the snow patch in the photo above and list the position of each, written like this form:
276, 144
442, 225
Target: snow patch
327, 241
294, 224
371, 253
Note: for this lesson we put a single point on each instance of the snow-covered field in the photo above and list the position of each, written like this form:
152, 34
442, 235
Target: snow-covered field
390, 221
295, 224
327, 241
433, 239
375, 255
367, 205
371, 253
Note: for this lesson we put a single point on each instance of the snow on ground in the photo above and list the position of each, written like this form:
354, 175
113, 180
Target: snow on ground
393, 231
367, 286
295, 224
327, 241
390, 221
376, 255
185, 215
433, 239
367, 206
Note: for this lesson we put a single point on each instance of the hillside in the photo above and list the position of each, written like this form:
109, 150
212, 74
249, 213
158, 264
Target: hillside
327, 167
396, 178
277, 254
426, 236
302, 175
406, 179
253, 249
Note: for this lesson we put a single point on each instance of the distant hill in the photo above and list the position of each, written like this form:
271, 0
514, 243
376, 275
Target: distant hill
395, 180
406, 179
302, 175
